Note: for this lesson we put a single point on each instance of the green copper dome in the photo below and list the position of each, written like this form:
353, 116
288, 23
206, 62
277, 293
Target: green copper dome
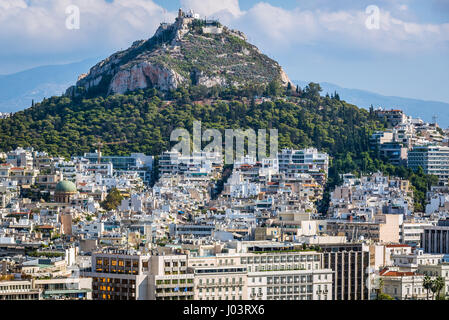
65, 186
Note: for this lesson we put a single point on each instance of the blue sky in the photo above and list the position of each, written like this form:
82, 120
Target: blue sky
314, 40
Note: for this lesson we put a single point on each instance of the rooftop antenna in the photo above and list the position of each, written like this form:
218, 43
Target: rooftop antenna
434, 119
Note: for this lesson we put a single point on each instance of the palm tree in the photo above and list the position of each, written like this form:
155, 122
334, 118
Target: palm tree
438, 285
427, 284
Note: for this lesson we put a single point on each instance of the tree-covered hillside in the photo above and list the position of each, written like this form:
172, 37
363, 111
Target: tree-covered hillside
65, 126
145, 118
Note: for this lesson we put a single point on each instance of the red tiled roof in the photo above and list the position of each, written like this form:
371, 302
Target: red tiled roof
387, 273
398, 274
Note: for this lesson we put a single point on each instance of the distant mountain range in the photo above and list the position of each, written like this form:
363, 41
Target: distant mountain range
19, 89
425, 110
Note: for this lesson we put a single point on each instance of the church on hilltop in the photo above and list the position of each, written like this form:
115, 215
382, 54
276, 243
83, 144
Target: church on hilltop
190, 15
210, 26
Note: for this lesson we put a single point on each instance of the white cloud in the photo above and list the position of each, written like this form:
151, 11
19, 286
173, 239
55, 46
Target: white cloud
345, 28
11, 4
39, 25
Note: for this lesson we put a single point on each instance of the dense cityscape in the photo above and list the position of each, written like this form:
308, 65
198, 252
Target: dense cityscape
107, 227
188, 173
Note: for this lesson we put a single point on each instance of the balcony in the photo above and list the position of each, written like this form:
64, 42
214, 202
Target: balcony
173, 286
174, 294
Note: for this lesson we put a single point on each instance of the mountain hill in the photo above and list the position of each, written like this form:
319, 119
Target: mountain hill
188, 52
196, 70
190, 70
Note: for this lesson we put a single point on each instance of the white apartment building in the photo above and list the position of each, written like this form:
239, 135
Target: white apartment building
438, 203
287, 276
19, 290
237, 187
20, 157
309, 156
412, 261
433, 159
305, 161
410, 232
198, 163
168, 278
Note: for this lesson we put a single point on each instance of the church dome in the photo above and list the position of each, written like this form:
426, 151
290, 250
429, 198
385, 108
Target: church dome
66, 186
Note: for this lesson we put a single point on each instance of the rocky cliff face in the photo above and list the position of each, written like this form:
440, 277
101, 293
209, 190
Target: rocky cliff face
144, 75
187, 52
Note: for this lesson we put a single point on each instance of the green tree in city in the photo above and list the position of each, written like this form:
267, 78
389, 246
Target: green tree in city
437, 285
113, 200
427, 284
380, 294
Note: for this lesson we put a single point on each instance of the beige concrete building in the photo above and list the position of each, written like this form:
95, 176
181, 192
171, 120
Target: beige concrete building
220, 277
19, 290
384, 229
168, 278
